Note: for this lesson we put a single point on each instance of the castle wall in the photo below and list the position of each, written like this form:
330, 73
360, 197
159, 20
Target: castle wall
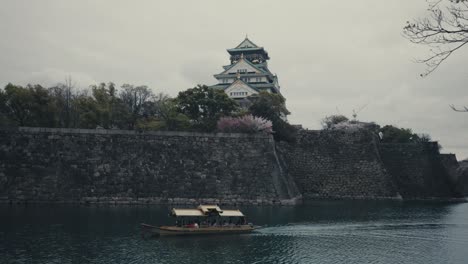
114, 166
462, 178
418, 170
338, 164
126, 166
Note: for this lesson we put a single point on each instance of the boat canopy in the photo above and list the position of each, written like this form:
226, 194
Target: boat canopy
210, 208
236, 213
187, 212
206, 210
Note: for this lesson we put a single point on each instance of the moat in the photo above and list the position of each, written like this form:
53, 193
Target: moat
317, 232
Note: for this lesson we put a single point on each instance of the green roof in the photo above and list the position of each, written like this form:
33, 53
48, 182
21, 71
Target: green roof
244, 49
248, 62
246, 43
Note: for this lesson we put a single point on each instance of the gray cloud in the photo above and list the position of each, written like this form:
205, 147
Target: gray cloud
330, 56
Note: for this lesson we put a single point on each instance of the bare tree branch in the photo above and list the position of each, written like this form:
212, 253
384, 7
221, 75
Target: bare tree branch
445, 30
465, 109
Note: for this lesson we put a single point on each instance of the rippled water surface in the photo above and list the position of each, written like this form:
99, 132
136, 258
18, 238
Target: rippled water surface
320, 232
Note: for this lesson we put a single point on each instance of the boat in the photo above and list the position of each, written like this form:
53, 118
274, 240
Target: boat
203, 220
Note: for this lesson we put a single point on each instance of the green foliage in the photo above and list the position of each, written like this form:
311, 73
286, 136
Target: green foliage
4, 118
273, 107
171, 119
136, 99
88, 112
204, 106
329, 121
62, 106
422, 138
268, 105
29, 105
111, 110
392, 134
18, 103
133, 107
162, 114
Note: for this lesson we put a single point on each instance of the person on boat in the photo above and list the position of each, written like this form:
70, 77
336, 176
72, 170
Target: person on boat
193, 225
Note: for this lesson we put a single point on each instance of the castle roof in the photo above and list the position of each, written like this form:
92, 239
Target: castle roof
246, 43
240, 86
242, 60
254, 86
247, 46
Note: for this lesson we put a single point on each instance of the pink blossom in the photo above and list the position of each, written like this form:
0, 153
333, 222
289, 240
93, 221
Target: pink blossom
244, 124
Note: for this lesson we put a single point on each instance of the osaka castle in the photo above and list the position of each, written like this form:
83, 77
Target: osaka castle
248, 73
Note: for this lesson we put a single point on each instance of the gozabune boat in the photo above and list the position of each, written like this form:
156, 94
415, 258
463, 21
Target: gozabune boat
204, 220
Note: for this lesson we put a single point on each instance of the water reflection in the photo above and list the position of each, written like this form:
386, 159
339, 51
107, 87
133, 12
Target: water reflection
319, 232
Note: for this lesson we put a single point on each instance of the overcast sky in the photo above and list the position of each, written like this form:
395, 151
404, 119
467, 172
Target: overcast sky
331, 56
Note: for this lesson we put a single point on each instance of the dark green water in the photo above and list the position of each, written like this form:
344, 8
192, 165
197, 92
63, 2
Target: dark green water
321, 232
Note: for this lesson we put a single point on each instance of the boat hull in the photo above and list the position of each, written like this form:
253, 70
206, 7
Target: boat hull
211, 230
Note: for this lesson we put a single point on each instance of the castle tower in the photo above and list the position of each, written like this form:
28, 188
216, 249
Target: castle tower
248, 73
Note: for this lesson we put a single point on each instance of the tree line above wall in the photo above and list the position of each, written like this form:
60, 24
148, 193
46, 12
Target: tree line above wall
139, 108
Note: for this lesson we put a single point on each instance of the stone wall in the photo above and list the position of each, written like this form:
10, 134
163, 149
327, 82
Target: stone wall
338, 164
107, 166
418, 170
462, 179
115, 166
355, 164
450, 163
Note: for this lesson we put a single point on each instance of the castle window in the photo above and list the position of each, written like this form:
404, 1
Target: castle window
242, 70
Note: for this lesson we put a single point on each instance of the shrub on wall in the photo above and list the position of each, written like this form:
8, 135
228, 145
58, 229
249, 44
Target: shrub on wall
330, 121
273, 107
392, 134
244, 124
203, 106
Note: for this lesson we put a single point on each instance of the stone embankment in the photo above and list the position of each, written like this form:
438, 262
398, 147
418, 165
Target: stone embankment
115, 166
129, 167
462, 177
338, 164
354, 164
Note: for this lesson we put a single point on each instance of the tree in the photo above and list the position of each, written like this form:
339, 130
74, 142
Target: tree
111, 110
27, 106
87, 109
392, 134
245, 124
167, 113
329, 121
445, 30
269, 105
4, 112
63, 96
135, 99
273, 107
42, 112
18, 103
422, 138
204, 106
163, 115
